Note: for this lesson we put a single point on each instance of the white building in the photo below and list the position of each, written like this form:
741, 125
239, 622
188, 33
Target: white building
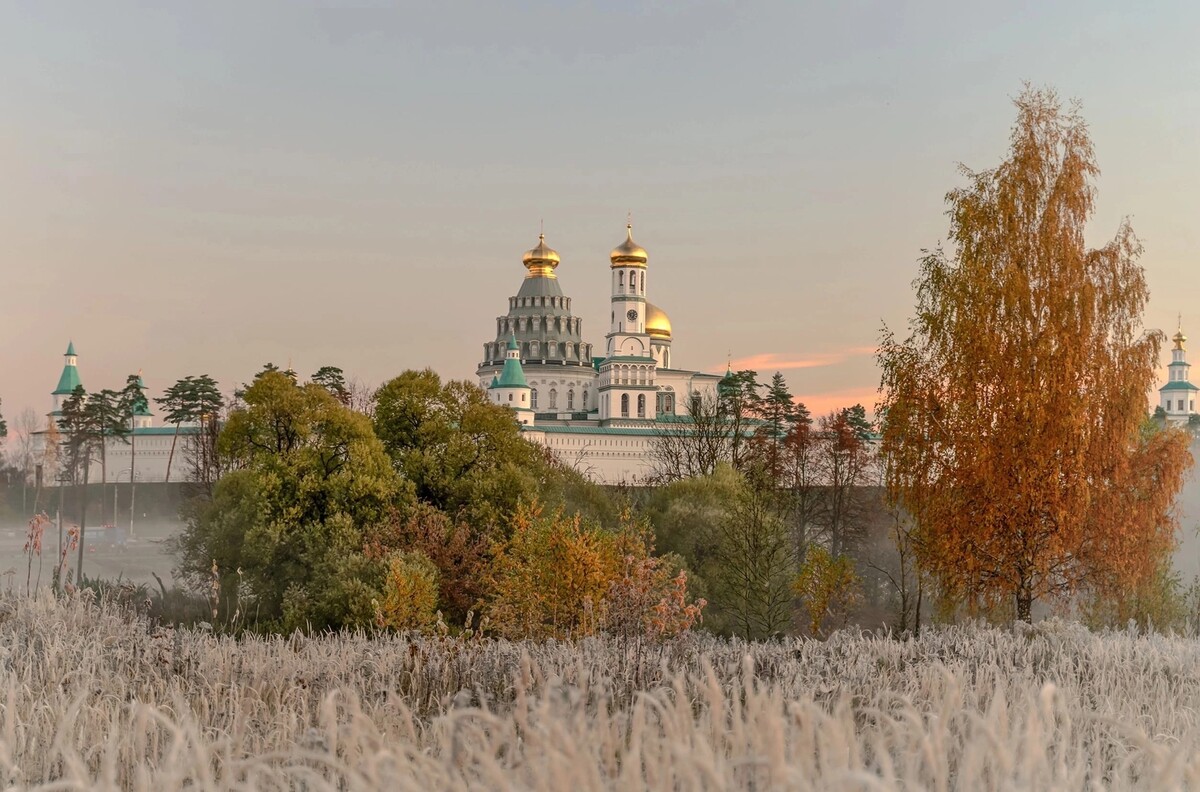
598, 414
144, 454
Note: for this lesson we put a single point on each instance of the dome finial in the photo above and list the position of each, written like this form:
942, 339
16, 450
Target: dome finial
628, 252
541, 260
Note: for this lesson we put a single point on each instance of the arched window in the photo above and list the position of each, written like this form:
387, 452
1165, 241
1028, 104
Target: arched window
621, 280
641, 405
585, 398
642, 283
533, 398
510, 397
571, 399
624, 405
553, 399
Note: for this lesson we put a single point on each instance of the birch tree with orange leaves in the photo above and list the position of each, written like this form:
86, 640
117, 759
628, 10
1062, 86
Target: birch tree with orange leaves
1013, 412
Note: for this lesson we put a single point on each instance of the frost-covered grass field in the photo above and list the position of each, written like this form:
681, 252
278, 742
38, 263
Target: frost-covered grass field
95, 699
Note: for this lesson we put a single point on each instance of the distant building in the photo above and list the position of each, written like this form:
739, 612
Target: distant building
598, 414
148, 447
1177, 397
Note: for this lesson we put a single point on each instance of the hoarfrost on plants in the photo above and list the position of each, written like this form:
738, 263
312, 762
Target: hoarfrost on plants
97, 699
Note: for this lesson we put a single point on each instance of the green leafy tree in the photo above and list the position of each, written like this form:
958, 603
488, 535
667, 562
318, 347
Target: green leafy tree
309, 479
755, 561
463, 454
828, 588
686, 516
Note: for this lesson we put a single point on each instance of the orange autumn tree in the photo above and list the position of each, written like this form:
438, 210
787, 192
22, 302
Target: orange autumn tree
559, 577
1012, 410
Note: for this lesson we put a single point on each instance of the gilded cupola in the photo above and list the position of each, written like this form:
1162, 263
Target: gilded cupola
658, 324
541, 260
628, 252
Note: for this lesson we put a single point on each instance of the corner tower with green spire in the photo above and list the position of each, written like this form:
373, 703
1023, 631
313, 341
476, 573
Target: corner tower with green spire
510, 389
68, 381
142, 417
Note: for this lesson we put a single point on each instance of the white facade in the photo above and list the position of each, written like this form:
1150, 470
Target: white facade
150, 449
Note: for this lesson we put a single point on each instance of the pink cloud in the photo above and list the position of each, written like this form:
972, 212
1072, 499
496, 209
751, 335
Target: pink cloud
774, 361
820, 404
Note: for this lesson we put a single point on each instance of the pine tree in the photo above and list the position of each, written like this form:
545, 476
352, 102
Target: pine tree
778, 412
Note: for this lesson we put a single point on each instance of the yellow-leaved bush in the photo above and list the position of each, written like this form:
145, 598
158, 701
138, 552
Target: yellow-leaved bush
560, 577
410, 592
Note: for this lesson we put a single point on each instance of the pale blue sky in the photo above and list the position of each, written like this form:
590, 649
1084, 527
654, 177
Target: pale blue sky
203, 187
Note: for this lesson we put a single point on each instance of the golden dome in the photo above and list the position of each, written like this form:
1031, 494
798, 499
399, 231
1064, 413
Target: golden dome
1179, 339
658, 324
541, 260
628, 252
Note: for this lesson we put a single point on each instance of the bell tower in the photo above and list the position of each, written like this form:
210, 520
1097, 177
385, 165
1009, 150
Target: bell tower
627, 386
1178, 396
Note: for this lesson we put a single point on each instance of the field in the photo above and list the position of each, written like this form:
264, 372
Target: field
96, 699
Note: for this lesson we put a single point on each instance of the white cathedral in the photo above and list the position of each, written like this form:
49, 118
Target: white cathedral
597, 414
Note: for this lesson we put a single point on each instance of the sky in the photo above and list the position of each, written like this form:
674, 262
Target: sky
201, 188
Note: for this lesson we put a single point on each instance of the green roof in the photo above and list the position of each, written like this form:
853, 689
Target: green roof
143, 407
512, 341
512, 375
1185, 385
68, 381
